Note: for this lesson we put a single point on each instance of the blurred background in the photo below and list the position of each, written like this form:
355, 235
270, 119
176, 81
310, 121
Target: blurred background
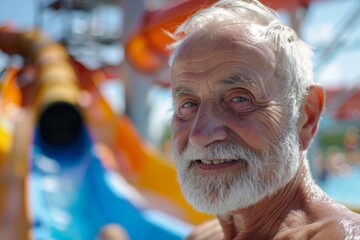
85, 109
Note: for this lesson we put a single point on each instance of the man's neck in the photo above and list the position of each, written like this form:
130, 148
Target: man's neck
263, 220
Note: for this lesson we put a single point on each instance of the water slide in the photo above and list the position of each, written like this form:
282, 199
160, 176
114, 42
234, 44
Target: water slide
73, 164
72, 195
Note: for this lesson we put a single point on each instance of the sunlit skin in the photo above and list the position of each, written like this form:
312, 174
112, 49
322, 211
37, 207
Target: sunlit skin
212, 107
224, 85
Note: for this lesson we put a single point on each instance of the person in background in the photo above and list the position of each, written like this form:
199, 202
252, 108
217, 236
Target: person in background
246, 108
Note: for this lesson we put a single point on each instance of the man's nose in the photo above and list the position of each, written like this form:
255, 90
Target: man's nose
207, 128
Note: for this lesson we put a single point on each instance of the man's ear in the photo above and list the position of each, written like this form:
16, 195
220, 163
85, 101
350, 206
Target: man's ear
310, 115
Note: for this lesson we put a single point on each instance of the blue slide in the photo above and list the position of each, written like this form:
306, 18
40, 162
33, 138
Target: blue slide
71, 194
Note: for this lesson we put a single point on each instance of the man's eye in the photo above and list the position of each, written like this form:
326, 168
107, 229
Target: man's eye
188, 105
187, 109
240, 99
240, 102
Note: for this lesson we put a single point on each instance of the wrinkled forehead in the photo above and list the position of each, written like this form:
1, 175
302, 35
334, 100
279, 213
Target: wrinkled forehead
232, 42
223, 36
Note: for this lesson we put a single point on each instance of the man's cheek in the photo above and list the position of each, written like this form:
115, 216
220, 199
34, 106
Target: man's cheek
179, 139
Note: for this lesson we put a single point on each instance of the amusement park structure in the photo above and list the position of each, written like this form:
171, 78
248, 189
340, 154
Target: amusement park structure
70, 162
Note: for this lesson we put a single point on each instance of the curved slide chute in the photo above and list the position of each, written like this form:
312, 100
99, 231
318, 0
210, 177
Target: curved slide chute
73, 195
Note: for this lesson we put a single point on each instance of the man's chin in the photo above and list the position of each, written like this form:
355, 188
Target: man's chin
217, 208
216, 203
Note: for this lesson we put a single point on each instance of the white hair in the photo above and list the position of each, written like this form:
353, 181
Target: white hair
294, 57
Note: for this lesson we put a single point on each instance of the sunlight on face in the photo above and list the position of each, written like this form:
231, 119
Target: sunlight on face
229, 106
266, 171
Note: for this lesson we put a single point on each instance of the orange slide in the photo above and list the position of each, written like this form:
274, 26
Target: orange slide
15, 134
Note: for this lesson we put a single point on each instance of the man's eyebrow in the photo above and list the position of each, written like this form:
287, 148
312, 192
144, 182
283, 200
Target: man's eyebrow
235, 80
178, 91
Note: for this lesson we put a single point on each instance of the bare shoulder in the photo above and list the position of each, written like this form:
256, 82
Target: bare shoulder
329, 228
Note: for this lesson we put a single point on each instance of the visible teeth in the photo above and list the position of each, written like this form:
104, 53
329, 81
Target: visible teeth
215, 161
209, 162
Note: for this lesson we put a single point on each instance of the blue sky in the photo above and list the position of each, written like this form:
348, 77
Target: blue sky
322, 25
20, 12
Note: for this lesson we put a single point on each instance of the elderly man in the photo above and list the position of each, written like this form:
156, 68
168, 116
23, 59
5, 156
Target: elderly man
245, 110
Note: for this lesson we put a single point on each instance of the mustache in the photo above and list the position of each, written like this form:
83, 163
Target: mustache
228, 150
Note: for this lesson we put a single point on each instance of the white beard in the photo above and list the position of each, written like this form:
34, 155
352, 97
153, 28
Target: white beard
266, 172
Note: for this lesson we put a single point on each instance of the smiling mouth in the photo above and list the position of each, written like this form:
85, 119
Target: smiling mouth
219, 164
214, 161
